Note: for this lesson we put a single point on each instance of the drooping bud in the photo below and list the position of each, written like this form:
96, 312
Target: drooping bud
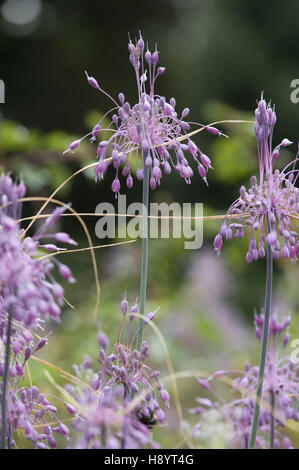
92, 81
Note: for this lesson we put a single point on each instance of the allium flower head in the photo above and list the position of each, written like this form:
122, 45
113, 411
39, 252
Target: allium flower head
151, 127
28, 290
264, 210
280, 396
28, 409
10, 194
103, 416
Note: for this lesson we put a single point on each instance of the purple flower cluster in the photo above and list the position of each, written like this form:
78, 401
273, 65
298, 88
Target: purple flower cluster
280, 397
151, 127
118, 405
265, 209
29, 410
23, 345
29, 295
11, 194
28, 290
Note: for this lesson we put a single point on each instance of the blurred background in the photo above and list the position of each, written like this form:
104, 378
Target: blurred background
219, 57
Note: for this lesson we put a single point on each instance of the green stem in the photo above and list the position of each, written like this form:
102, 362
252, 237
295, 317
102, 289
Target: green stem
4, 385
144, 262
264, 347
272, 419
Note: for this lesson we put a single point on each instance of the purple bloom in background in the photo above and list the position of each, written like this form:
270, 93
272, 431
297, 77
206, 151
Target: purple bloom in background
271, 200
29, 410
152, 125
280, 396
29, 295
119, 403
28, 290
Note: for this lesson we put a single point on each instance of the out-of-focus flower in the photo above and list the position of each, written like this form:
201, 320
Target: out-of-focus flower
151, 127
264, 210
28, 290
120, 402
280, 396
29, 295
27, 409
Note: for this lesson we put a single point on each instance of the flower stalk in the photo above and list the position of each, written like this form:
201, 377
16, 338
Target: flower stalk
4, 386
144, 260
267, 312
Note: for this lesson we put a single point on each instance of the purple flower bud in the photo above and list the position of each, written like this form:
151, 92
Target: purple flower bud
167, 168
121, 98
73, 145
140, 43
148, 56
63, 237
286, 443
27, 353
205, 160
271, 238
92, 81
16, 346
129, 182
148, 161
51, 441
168, 109
150, 316
161, 70
229, 234
218, 243
87, 364
96, 130
204, 383
153, 183
71, 409
95, 383
51, 247
154, 57
124, 306
286, 339
139, 174
115, 186
213, 130
202, 171
185, 113
156, 172
160, 415
103, 340
63, 429
223, 229
66, 273
133, 310
20, 370
164, 395
41, 344
286, 143
285, 252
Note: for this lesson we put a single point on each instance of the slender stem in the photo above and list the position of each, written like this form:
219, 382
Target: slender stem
272, 429
4, 385
104, 436
144, 262
124, 426
263, 348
